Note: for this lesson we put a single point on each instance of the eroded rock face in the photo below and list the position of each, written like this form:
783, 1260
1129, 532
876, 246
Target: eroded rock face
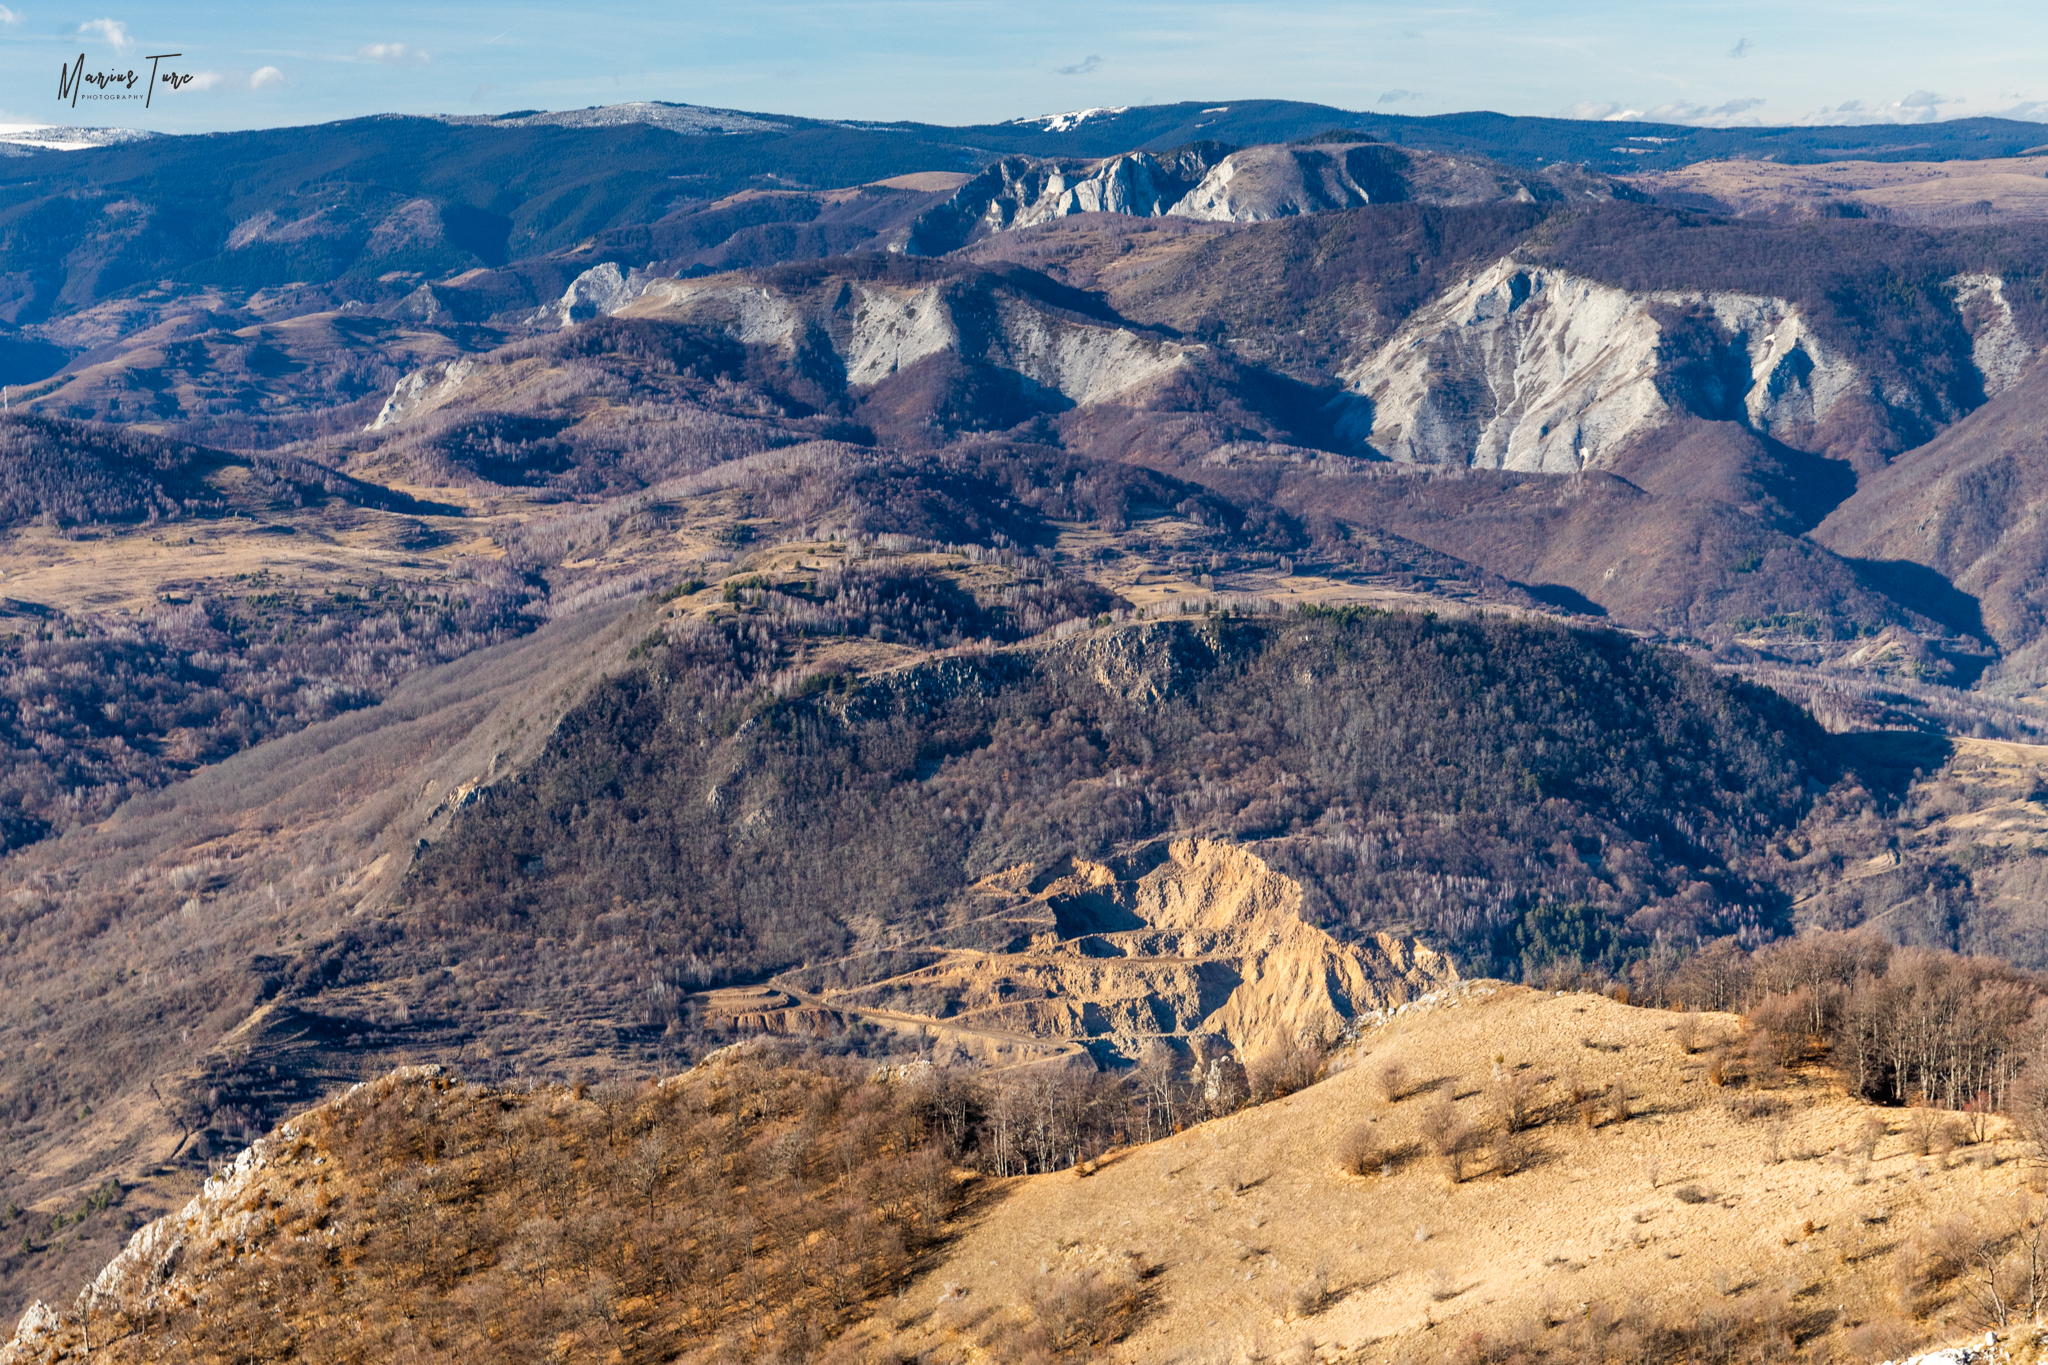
598, 292
2000, 353
1214, 182
1536, 369
876, 330
1209, 943
424, 388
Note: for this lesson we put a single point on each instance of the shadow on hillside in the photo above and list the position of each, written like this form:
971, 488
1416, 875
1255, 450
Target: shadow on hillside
1886, 762
1561, 598
1921, 589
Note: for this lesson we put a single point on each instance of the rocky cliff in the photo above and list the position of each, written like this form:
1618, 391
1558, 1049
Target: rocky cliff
1538, 369
1206, 946
1214, 182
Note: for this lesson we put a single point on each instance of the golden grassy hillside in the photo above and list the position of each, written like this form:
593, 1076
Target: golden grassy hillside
1500, 1174
1645, 1212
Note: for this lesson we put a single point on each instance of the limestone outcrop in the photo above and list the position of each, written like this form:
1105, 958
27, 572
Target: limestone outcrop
876, 329
1531, 368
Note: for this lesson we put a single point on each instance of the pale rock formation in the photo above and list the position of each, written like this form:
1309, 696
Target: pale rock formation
1085, 364
427, 387
598, 292
893, 329
878, 329
750, 313
2000, 352
1208, 944
1529, 368
1258, 183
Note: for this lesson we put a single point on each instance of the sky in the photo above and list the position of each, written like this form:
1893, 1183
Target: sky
982, 61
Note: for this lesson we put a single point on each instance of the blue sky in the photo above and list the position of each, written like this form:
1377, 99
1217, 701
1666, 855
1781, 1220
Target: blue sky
973, 61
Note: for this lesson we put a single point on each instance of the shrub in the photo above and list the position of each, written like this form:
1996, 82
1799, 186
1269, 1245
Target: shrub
1310, 1297
1923, 1124
1360, 1151
1514, 1153
1295, 1065
1512, 1098
1452, 1137
1075, 1315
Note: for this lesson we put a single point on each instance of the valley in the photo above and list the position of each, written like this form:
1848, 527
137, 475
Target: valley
1152, 616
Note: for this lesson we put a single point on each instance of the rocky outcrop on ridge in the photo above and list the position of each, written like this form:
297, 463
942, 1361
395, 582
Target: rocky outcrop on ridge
1215, 182
1205, 947
1537, 369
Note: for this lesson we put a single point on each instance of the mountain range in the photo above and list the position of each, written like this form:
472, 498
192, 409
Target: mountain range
559, 593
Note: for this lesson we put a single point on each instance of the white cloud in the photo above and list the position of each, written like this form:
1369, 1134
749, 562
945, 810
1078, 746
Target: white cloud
106, 30
1922, 106
1734, 113
265, 77
1084, 67
398, 54
1598, 111
8, 16
1397, 96
1741, 48
206, 80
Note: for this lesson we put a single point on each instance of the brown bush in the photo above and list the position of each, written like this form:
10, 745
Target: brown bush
1392, 1080
1309, 1297
1294, 1066
1361, 1152
1514, 1153
1453, 1138
1512, 1098
1073, 1316
1923, 1124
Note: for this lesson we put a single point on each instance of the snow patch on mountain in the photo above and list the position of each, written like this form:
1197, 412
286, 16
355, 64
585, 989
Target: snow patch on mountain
52, 138
1067, 122
692, 119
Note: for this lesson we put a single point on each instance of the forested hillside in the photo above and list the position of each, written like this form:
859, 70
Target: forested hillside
1482, 783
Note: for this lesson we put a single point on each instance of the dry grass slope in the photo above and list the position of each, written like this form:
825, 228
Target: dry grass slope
1507, 1175
1640, 1212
